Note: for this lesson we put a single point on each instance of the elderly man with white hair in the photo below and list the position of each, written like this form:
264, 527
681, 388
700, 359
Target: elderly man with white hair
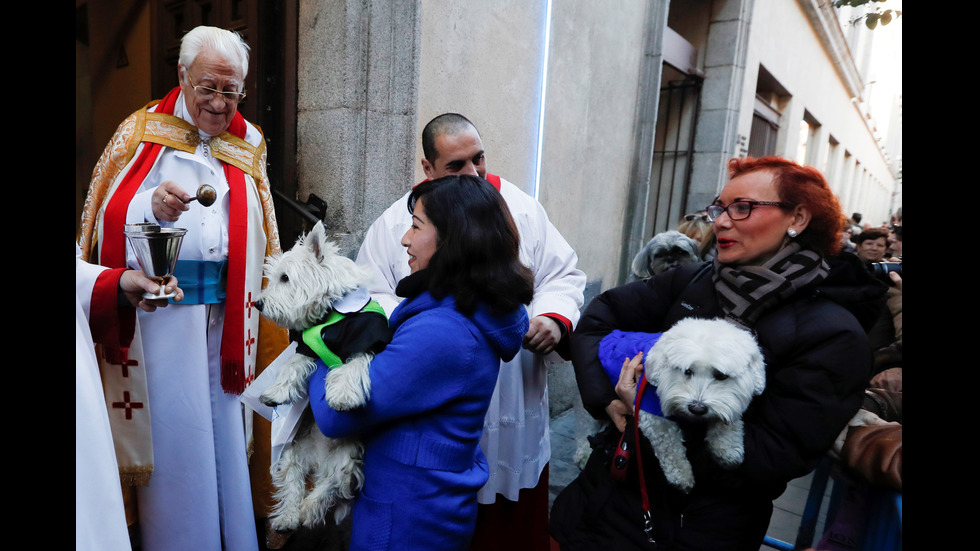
173, 397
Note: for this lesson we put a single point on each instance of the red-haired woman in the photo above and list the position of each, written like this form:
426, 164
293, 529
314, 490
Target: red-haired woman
778, 228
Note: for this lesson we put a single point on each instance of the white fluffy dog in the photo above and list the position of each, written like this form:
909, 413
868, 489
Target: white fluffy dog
306, 284
708, 371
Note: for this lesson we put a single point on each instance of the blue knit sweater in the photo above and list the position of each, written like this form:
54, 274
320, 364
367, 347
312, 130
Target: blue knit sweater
430, 390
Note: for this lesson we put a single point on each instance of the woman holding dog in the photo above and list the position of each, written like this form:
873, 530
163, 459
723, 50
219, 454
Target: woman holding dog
431, 387
777, 225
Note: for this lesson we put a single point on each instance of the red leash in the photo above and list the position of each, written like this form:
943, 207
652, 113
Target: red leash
647, 519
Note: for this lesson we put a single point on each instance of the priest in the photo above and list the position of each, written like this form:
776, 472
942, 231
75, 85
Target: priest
179, 429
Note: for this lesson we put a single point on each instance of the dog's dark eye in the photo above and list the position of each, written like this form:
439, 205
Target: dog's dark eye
719, 376
688, 372
284, 278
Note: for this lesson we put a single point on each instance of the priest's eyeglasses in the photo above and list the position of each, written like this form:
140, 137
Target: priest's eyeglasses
205, 93
740, 210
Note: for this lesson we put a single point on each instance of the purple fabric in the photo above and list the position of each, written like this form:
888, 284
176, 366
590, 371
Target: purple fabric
619, 345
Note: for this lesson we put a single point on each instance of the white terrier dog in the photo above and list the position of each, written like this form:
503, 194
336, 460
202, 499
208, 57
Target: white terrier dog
308, 285
708, 371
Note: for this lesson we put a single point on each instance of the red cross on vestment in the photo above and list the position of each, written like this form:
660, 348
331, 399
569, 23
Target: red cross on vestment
249, 304
127, 405
125, 366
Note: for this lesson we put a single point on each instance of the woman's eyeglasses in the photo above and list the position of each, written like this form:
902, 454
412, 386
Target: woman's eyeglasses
740, 210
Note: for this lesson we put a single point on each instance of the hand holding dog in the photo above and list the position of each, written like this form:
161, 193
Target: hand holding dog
629, 376
618, 411
543, 335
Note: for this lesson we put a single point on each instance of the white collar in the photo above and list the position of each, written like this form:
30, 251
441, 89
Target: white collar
353, 301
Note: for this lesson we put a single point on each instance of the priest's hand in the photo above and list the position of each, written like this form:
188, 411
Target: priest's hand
169, 201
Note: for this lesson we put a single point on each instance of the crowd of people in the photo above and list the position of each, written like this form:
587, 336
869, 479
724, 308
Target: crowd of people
479, 288
868, 451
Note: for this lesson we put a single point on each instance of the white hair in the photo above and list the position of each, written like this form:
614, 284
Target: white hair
228, 44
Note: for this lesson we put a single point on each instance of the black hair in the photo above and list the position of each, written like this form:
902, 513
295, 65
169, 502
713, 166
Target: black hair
445, 124
477, 260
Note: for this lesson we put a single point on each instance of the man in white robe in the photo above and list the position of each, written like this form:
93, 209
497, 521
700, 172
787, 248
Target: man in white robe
516, 430
197, 356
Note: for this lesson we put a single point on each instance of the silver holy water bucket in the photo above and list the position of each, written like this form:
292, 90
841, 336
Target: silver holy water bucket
156, 250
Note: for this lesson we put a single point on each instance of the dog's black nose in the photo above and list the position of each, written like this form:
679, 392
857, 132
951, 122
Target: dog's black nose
697, 408
258, 305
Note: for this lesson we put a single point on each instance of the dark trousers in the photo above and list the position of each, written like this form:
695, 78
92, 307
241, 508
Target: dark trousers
520, 525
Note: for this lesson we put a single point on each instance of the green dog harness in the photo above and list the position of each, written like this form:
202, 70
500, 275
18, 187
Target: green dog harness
313, 337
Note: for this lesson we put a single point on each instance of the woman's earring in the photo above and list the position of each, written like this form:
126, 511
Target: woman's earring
792, 233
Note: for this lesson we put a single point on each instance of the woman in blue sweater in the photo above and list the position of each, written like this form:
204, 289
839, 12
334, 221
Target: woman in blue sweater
430, 388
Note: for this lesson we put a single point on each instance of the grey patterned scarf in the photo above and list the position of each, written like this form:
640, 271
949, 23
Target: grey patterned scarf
745, 292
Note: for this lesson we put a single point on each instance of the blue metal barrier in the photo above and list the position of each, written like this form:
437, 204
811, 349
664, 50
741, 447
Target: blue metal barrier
811, 511
778, 544
883, 526
883, 531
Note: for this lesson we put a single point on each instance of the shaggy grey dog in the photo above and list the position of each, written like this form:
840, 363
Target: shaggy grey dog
666, 250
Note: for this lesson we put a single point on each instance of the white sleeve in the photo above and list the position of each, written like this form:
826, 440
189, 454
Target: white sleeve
85, 276
383, 256
141, 209
559, 286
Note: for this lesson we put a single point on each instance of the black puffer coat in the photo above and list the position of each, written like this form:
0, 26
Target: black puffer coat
817, 365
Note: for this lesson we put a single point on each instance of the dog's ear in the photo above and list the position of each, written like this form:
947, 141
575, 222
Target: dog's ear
316, 241
641, 263
692, 248
653, 364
